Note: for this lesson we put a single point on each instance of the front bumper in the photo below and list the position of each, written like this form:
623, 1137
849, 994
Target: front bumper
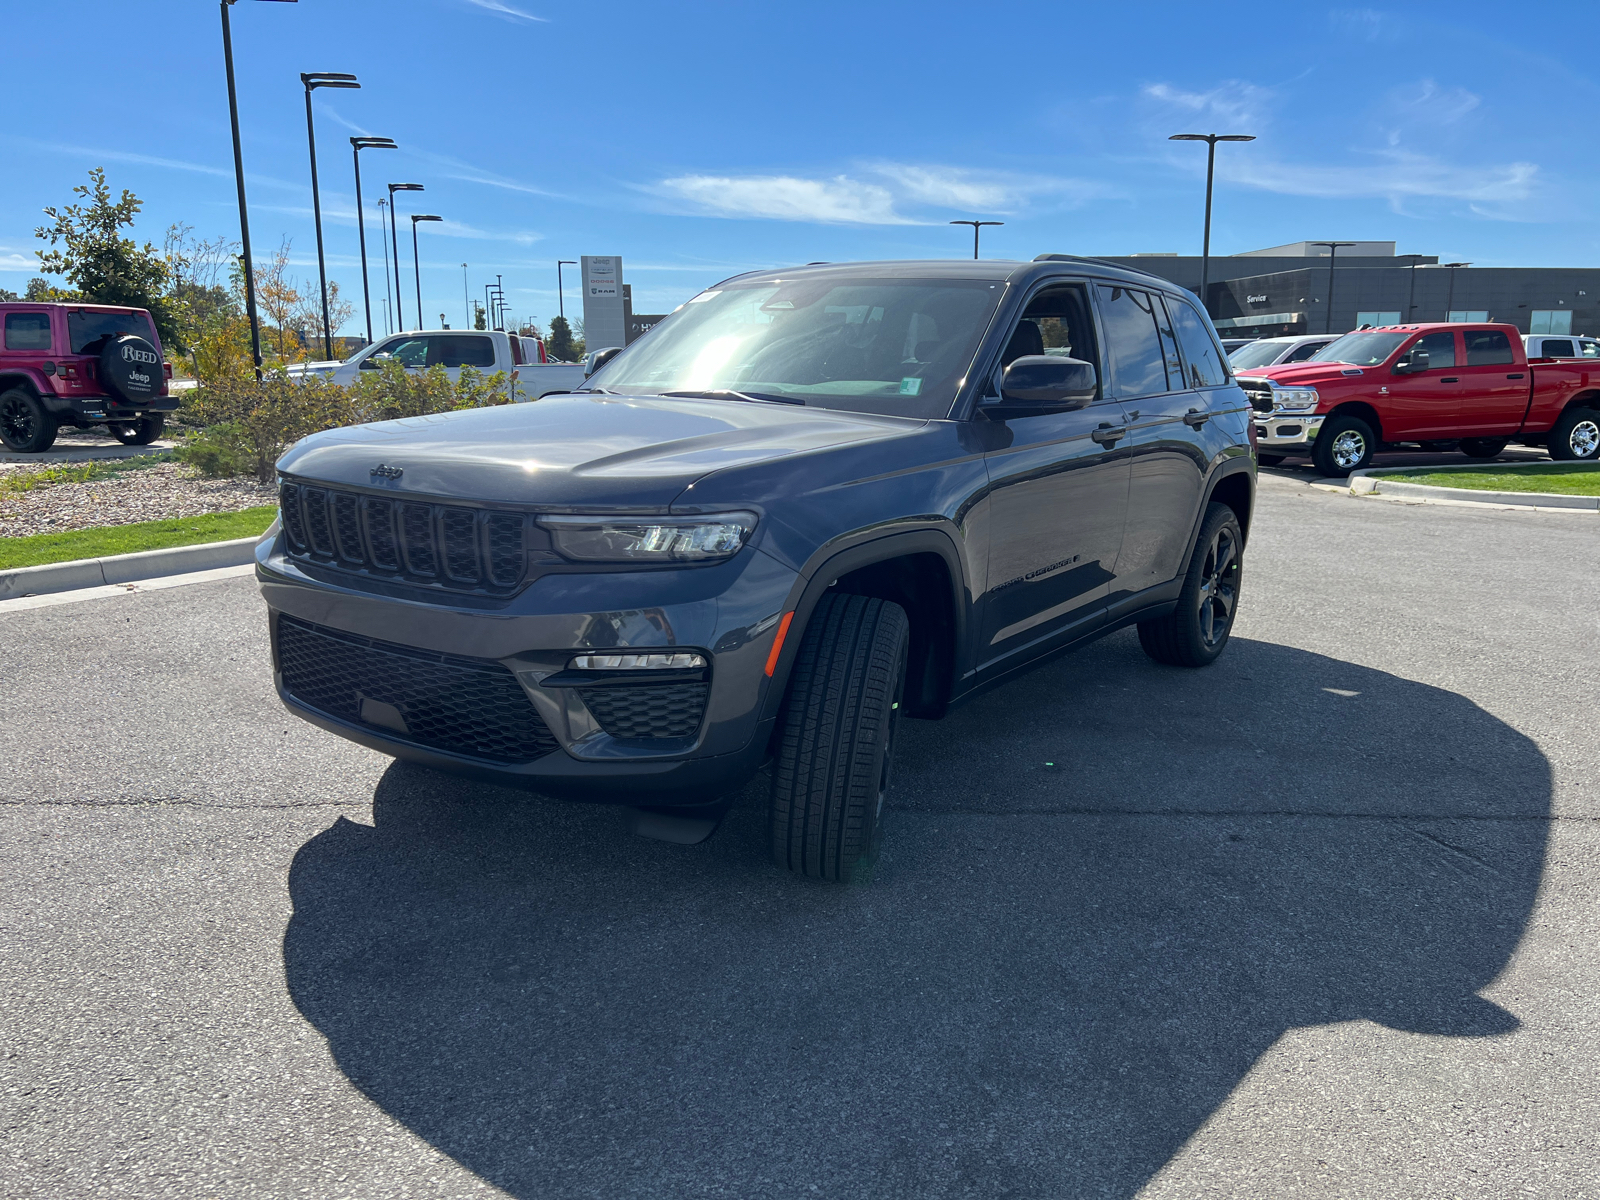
727, 613
1284, 433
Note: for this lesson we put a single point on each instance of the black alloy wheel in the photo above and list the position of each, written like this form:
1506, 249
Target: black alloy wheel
1483, 447
1576, 437
141, 432
836, 738
1196, 632
26, 426
1345, 444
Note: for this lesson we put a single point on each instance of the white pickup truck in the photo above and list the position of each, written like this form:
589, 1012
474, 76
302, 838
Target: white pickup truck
486, 350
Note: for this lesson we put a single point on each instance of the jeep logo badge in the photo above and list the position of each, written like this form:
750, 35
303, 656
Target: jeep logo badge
383, 471
134, 354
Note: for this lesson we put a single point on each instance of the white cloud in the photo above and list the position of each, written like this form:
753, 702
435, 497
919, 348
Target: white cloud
1231, 102
505, 10
837, 201
1368, 24
1395, 176
149, 160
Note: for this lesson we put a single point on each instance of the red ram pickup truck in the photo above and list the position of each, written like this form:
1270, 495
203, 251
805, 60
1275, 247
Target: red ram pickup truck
82, 365
1435, 386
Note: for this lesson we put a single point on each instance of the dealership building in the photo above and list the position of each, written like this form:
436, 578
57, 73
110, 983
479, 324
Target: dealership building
1299, 288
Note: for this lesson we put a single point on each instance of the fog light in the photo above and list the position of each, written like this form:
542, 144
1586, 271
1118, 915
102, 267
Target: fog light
637, 662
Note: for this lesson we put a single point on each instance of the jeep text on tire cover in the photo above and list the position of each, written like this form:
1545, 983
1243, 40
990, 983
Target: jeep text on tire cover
807, 505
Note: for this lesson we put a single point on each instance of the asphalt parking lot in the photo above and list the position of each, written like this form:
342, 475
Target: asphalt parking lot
1318, 921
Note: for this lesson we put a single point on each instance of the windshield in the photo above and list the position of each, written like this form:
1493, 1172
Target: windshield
1360, 349
87, 331
1256, 354
894, 346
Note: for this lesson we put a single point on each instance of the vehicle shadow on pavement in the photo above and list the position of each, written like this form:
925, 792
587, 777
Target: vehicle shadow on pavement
1106, 890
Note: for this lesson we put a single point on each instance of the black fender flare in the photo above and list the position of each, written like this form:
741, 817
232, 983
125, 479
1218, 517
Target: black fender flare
831, 562
1222, 473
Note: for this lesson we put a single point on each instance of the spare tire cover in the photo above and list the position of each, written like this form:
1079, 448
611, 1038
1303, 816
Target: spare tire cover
131, 367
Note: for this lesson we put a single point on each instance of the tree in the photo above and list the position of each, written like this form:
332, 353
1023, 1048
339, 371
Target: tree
279, 299
6, 297
87, 247
40, 291
480, 319
561, 344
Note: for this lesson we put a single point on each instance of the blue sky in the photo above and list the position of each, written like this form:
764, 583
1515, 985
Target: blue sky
699, 140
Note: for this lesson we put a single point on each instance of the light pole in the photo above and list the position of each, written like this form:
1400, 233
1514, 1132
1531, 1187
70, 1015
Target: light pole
1211, 140
1333, 255
500, 290
1411, 298
976, 227
313, 81
466, 298
416, 263
388, 280
561, 299
244, 213
394, 237
357, 145
1450, 300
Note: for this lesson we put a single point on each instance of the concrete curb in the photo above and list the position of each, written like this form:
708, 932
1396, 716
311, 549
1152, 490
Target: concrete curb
1375, 480
124, 568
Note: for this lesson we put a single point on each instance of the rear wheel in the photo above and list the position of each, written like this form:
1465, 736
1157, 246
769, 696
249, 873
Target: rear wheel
1345, 444
26, 425
1576, 435
1483, 447
1196, 632
141, 432
836, 738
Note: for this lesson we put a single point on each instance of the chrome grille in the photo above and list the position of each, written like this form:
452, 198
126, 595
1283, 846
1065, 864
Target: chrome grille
1260, 393
441, 545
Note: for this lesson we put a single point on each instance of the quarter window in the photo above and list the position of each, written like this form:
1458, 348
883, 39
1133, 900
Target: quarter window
1133, 346
1200, 351
28, 331
1557, 348
1487, 348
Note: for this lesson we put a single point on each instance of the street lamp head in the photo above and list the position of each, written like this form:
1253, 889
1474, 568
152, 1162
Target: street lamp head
1212, 137
405, 187
415, 217
333, 79
373, 143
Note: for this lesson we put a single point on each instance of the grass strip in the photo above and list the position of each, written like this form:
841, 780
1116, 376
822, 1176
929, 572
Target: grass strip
127, 539
1557, 478
27, 480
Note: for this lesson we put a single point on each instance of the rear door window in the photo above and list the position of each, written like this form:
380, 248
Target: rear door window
1557, 348
27, 331
87, 331
1490, 348
461, 350
1200, 354
1133, 345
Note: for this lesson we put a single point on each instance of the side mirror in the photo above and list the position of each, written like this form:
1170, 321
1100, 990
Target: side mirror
1412, 362
1047, 381
599, 358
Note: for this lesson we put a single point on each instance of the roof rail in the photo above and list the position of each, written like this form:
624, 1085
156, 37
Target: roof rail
1100, 262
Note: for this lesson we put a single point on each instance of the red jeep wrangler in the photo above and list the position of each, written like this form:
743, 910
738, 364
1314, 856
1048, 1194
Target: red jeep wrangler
82, 365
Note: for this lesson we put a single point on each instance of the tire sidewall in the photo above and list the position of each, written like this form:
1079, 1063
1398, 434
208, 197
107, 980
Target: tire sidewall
1561, 446
131, 368
1322, 453
44, 424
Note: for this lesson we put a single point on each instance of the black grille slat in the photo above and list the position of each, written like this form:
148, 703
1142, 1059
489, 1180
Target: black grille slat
504, 532
379, 516
466, 706
416, 538
451, 546
671, 710
460, 528
317, 525
347, 528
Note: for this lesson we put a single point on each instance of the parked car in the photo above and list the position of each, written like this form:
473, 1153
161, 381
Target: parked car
1439, 385
82, 365
813, 502
487, 350
1550, 345
1269, 352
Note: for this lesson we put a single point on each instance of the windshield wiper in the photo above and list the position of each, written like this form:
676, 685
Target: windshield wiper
730, 394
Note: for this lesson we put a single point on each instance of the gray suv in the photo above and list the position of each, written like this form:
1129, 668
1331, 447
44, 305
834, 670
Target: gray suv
808, 503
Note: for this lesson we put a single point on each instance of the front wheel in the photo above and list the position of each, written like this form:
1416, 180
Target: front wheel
1576, 436
26, 425
1196, 632
141, 432
1483, 447
836, 738
1345, 444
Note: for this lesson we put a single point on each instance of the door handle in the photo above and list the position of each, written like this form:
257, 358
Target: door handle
1108, 434
1518, 375
1451, 379
1194, 418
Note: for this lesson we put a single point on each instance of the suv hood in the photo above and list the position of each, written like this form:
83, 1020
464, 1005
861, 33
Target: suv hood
577, 451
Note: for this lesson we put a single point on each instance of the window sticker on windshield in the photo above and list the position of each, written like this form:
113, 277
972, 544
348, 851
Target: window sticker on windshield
910, 385
704, 296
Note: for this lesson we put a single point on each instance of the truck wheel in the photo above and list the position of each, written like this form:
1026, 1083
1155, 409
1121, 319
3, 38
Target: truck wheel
1196, 632
141, 432
836, 738
1483, 447
1270, 460
26, 425
1576, 435
1345, 444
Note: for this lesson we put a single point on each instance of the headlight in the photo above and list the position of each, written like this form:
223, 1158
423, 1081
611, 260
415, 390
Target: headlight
1295, 399
651, 539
